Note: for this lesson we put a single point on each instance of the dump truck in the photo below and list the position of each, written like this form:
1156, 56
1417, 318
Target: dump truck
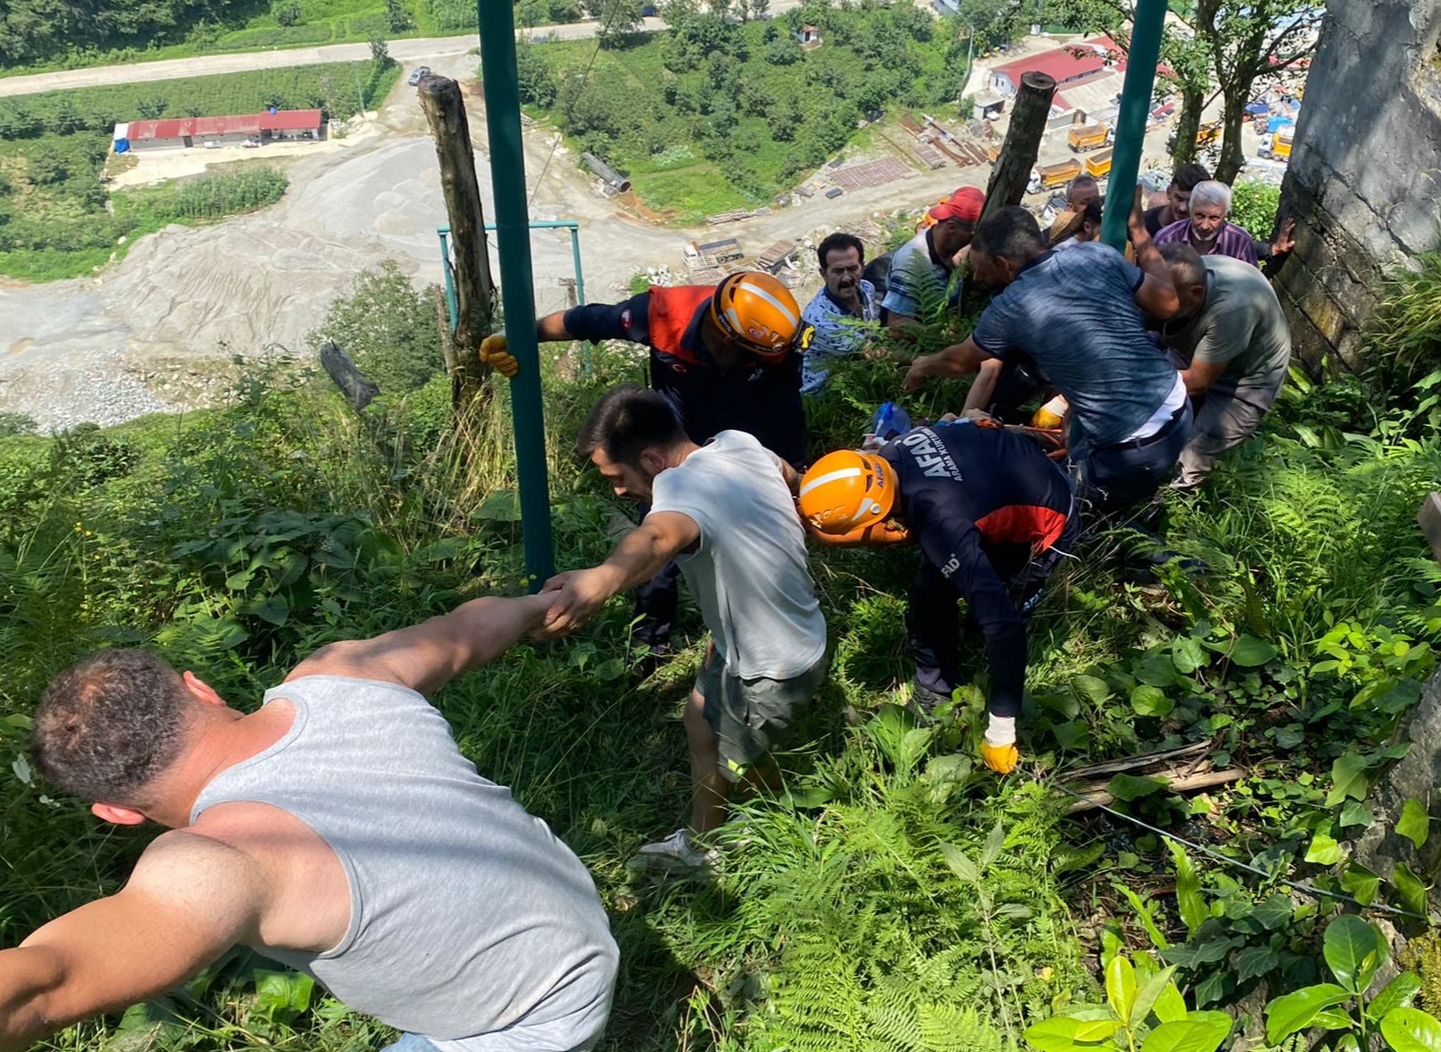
1084, 137
1278, 146
1206, 134
1050, 176
1099, 164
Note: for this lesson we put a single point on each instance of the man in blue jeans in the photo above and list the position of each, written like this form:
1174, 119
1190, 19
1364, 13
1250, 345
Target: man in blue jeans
337, 829
1078, 319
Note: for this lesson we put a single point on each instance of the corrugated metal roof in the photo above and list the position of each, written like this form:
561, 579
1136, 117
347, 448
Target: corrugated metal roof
204, 127
1067, 63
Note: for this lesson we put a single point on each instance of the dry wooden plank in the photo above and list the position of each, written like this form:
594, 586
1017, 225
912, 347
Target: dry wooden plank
1206, 780
1131, 763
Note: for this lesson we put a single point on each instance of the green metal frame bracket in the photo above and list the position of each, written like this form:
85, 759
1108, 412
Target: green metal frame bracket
1141, 61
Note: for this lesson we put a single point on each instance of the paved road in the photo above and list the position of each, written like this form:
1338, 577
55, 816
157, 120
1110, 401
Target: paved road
407, 51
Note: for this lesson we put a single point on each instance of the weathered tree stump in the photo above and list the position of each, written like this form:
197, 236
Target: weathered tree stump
444, 108
1012, 170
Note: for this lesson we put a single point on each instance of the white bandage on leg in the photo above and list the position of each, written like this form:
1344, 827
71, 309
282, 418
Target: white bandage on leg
1001, 731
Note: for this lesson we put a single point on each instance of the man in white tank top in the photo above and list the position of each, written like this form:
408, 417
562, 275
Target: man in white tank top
338, 829
725, 512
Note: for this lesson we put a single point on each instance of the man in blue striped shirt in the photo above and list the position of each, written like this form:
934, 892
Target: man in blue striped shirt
843, 314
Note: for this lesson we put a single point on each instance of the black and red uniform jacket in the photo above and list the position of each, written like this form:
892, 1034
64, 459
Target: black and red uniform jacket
982, 503
760, 398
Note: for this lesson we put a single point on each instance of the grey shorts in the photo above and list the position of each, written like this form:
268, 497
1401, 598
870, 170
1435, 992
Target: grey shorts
749, 715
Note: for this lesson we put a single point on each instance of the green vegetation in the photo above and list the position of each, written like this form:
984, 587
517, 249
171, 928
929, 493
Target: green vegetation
1253, 208
892, 896
36, 35
717, 114
54, 219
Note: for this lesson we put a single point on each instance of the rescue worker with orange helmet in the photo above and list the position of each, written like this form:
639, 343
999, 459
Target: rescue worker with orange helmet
992, 515
727, 357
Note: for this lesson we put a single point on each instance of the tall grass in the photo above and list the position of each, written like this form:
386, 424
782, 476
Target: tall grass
238, 539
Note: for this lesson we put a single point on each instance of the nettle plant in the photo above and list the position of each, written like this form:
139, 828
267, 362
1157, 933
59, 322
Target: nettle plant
1355, 951
1144, 1012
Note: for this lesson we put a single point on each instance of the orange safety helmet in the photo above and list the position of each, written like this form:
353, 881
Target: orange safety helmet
846, 491
757, 311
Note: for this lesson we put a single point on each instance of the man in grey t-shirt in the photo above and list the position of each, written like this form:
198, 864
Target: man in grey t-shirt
338, 829
725, 512
1234, 345
1076, 318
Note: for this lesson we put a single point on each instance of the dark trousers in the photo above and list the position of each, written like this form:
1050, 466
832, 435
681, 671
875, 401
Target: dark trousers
1115, 478
933, 618
656, 603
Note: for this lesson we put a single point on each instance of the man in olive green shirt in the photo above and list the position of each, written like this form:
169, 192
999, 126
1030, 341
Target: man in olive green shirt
1233, 345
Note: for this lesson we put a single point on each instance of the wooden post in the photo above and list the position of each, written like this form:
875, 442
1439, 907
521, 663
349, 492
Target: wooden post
355, 388
1012, 170
474, 288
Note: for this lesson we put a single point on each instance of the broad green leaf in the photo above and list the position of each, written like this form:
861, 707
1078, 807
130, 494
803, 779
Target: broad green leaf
1361, 883
1151, 701
1295, 1011
1057, 1034
1187, 1035
1348, 778
1323, 850
961, 864
1353, 950
1410, 888
1252, 961
273, 609
1097, 1029
1411, 1030
1091, 688
1143, 914
1356, 813
1149, 993
1333, 1019
1398, 993
1155, 669
995, 841
1274, 912
1187, 654
1188, 889
1129, 787
1414, 824
1121, 987
1170, 1005
1250, 652
1211, 989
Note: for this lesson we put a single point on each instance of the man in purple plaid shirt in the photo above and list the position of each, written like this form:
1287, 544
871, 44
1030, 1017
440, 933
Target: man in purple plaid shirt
1207, 230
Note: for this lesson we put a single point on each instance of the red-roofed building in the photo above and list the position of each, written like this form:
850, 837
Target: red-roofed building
180, 132
1071, 64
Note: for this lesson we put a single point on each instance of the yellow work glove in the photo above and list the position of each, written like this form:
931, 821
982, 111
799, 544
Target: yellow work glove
1000, 758
494, 352
998, 749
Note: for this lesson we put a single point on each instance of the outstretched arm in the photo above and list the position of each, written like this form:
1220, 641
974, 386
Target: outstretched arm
574, 596
189, 900
961, 359
426, 656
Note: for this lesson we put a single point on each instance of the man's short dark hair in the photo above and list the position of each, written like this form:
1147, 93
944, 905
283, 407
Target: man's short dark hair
1188, 175
106, 727
1095, 210
1012, 233
1185, 263
627, 420
1082, 181
839, 242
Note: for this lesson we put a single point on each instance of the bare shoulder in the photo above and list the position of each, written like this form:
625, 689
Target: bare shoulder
185, 858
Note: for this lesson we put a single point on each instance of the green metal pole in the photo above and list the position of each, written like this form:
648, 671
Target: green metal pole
1141, 60
501, 81
453, 310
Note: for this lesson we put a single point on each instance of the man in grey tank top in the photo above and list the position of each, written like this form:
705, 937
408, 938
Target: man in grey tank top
337, 829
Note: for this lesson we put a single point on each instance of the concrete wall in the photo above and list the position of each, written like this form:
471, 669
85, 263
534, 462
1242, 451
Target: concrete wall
1365, 174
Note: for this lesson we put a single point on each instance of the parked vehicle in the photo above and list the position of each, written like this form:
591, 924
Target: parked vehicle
1099, 164
1084, 137
1206, 134
834, 192
1052, 176
420, 74
1278, 147
1256, 110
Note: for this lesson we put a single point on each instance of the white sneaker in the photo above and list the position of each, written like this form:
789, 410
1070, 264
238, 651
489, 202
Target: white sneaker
676, 852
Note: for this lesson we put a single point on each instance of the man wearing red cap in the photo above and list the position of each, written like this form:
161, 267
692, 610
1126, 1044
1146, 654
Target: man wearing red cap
922, 268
